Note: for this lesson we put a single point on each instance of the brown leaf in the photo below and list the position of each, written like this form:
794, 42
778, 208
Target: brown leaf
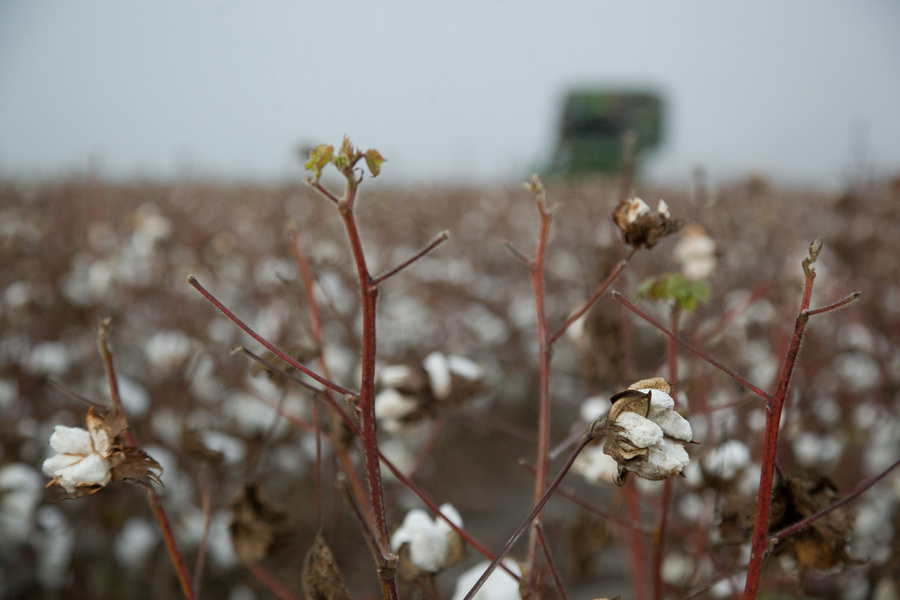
321, 579
629, 401
135, 466
255, 525
617, 445
823, 544
654, 383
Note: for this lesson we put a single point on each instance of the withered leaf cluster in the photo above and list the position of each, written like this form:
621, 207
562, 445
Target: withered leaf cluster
255, 524
823, 544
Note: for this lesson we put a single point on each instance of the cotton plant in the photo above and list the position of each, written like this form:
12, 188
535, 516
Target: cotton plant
427, 546
410, 396
87, 460
644, 433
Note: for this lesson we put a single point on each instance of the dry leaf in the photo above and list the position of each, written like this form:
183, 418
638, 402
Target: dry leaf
321, 578
823, 544
255, 525
136, 466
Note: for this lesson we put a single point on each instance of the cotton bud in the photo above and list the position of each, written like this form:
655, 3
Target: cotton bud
696, 252
644, 434
641, 226
427, 545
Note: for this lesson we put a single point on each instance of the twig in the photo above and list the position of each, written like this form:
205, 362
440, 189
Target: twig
549, 558
592, 508
596, 296
271, 347
204, 540
274, 586
545, 357
159, 514
761, 543
659, 540
520, 256
842, 502
590, 436
759, 391
441, 238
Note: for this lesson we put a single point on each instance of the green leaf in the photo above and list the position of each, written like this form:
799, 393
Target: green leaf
702, 291
319, 158
374, 160
675, 287
346, 156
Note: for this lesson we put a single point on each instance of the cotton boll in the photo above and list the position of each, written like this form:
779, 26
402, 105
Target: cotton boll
391, 376
427, 539
438, 368
675, 426
465, 368
594, 408
641, 432
596, 466
499, 586
167, 351
726, 460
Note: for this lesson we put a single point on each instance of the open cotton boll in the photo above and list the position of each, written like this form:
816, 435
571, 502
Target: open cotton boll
391, 404
499, 586
674, 426
666, 459
727, 460
438, 368
465, 367
641, 432
428, 540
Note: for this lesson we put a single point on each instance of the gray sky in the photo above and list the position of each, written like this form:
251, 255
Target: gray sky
467, 90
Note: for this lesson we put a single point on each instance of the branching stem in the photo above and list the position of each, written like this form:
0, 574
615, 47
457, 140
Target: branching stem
165, 527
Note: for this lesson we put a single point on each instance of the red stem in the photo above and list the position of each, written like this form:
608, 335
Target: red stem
759, 391
544, 357
532, 515
549, 558
271, 347
659, 540
760, 539
165, 527
637, 546
275, 586
366, 399
596, 296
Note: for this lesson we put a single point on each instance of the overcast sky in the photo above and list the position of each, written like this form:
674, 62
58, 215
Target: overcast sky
467, 90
